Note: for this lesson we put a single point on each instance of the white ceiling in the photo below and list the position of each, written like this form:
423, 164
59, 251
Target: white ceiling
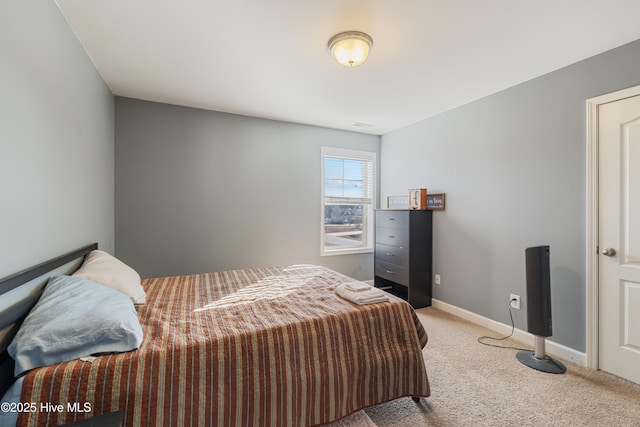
268, 58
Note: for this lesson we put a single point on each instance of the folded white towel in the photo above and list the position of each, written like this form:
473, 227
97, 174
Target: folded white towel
370, 296
357, 286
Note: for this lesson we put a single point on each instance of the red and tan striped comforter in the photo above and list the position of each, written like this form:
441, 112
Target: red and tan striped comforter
268, 346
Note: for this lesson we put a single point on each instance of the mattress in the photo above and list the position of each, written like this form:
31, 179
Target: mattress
266, 346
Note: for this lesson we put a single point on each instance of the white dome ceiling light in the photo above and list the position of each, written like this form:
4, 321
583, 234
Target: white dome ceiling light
350, 48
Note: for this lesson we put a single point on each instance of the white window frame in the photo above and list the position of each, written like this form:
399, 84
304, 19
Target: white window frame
368, 220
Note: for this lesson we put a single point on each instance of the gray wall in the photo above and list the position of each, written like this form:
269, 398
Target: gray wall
513, 166
56, 140
200, 191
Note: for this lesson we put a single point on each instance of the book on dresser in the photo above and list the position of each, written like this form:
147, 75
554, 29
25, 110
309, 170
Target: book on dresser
403, 254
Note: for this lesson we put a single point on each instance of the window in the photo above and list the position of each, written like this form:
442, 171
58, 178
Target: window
348, 199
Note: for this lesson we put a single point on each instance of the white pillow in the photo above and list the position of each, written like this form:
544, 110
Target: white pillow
102, 268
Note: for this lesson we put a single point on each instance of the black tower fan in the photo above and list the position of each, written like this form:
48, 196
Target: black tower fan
539, 311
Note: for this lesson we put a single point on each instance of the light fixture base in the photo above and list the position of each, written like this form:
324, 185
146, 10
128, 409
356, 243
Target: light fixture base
350, 48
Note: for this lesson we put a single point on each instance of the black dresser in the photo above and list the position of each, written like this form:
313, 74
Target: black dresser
403, 254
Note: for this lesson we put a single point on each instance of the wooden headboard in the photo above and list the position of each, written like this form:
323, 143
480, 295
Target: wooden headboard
19, 293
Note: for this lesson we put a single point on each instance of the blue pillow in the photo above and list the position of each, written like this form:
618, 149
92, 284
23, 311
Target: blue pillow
74, 318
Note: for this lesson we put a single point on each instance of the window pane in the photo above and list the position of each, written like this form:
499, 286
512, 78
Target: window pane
344, 177
353, 169
347, 190
333, 188
333, 168
343, 225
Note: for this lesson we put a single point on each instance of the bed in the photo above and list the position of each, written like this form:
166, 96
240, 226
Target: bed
263, 346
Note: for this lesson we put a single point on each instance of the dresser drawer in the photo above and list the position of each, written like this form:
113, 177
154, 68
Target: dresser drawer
393, 254
393, 236
393, 272
393, 219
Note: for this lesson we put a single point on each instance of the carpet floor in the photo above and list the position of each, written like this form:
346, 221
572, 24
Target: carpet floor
477, 385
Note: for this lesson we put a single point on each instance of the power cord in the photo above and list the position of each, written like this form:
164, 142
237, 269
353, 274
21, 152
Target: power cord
513, 327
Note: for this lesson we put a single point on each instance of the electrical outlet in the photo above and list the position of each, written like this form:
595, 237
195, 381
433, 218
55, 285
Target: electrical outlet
437, 280
514, 301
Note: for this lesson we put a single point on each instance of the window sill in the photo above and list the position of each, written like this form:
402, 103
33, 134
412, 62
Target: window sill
347, 252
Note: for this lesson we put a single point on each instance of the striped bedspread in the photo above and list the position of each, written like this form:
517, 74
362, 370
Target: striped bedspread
267, 346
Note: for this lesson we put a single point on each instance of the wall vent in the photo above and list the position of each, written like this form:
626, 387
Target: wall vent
363, 125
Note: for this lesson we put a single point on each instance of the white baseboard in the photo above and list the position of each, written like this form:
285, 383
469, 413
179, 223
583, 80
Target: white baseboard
551, 348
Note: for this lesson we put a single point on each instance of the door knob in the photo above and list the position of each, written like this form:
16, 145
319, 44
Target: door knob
608, 252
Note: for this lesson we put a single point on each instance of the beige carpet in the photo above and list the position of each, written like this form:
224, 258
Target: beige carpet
358, 419
476, 385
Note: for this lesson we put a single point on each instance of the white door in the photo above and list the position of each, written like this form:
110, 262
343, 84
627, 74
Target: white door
619, 237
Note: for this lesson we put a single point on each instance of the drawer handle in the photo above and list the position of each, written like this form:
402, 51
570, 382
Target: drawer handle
390, 272
392, 219
390, 254
392, 236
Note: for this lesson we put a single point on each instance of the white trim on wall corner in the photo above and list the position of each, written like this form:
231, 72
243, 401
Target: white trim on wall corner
591, 251
552, 348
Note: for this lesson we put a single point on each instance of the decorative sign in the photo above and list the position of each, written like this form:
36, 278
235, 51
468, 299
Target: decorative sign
435, 202
418, 198
398, 202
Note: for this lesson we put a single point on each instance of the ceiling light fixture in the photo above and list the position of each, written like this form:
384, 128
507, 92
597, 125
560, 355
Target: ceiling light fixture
350, 48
